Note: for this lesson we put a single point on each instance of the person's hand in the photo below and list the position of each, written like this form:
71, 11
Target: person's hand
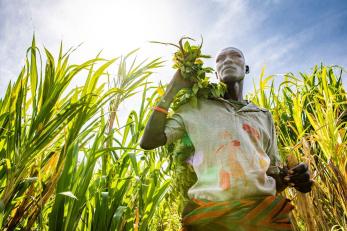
178, 82
299, 178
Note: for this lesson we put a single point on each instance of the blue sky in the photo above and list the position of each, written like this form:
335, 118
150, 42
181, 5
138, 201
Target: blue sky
284, 36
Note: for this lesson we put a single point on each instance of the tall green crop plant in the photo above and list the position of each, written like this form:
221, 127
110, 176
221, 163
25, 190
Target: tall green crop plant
93, 98
51, 139
310, 116
136, 182
34, 119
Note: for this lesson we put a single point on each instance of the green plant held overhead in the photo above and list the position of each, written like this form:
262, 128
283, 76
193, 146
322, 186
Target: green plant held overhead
188, 59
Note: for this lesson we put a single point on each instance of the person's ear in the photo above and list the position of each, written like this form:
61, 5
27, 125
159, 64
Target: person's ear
247, 69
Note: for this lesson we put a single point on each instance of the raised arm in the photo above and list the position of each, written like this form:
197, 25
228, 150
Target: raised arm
154, 135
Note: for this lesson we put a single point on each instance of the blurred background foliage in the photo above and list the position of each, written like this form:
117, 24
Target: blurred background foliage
68, 162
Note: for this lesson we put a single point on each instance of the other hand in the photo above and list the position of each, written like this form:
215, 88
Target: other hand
299, 178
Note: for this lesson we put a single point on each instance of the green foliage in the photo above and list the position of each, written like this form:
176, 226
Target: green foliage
183, 175
63, 164
188, 59
310, 116
68, 161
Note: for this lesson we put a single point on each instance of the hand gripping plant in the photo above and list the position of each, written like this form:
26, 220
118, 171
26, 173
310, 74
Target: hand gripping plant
188, 59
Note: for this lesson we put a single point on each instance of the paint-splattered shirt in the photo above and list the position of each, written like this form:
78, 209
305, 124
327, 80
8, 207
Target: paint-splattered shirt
235, 148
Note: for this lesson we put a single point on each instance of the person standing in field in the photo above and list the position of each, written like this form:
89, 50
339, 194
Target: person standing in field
236, 157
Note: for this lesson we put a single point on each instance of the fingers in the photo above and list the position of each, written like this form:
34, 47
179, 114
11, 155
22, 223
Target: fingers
298, 178
304, 187
300, 168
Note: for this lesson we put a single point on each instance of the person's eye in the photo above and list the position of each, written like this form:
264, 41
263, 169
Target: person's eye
220, 58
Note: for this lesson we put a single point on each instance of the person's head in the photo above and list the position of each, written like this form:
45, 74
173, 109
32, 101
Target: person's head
230, 65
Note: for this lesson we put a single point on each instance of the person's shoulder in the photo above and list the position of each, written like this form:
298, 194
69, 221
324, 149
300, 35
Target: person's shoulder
206, 104
207, 101
258, 108
199, 102
212, 100
187, 107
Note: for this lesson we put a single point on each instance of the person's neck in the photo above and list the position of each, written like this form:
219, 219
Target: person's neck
234, 91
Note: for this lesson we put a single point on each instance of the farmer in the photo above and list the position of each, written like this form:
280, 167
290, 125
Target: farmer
236, 157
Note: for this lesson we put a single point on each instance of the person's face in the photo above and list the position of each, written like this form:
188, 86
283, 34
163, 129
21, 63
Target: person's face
230, 65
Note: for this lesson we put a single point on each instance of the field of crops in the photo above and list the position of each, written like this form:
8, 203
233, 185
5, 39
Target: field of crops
69, 162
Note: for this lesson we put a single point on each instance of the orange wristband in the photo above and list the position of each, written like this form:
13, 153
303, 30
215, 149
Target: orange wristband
159, 109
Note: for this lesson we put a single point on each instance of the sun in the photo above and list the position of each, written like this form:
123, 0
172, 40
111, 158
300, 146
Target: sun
115, 26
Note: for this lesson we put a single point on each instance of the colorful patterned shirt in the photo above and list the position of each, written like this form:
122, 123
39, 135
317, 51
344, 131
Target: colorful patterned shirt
235, 147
